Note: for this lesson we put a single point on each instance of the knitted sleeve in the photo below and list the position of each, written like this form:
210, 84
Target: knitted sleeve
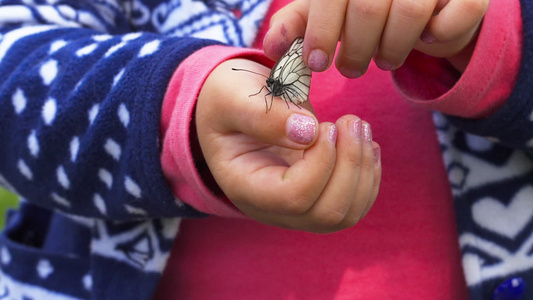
80, 102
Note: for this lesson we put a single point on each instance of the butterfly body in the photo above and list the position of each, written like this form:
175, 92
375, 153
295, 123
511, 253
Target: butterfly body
274, 86
290, 78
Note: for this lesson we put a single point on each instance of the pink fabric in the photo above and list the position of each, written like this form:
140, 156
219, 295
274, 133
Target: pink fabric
433, 84
406, 248
176, 157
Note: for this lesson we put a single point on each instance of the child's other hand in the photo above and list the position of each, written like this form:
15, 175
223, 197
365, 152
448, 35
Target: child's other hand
386, 30
283, 168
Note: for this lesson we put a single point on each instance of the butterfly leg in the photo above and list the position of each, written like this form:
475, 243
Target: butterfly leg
290, 94
264, 86
271, 101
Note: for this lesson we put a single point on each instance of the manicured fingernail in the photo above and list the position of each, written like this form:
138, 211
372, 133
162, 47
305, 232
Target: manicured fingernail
377, 154
332, 133
367, 133
301, 129
427, 37
355, 128
350, 73
386, 66
318, 60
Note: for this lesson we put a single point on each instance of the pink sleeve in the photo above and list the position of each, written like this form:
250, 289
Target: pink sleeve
488, 79
177, 158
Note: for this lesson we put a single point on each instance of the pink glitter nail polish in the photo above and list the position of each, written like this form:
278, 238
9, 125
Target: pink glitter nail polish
318, 60
427, 38
367, 133
377, 154
355, 128
332, 133
301, 129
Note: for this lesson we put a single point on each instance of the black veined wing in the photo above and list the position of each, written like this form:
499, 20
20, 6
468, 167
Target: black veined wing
290, 78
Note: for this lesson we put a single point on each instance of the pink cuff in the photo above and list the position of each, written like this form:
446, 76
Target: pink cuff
488, 79
176, 115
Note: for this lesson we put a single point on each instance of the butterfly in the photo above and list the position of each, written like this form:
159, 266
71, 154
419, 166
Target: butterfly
289, 79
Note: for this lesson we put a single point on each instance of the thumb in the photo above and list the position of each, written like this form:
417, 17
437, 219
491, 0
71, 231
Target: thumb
287, 126
240, 108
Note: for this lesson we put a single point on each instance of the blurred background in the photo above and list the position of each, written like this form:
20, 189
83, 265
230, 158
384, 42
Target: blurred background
7, 200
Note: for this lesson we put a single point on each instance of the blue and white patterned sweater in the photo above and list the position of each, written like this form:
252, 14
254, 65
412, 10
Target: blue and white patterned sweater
81, 85
81, 88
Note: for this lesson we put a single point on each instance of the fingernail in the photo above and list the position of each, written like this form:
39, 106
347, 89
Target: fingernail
355, 128
332, 133
383, 65
367, 133
427, 37
377, 154
350, 73
301, 129
318, 60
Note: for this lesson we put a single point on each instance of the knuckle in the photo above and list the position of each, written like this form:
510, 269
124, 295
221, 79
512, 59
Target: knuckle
331, 218
370, 9
444, 35
475, 7
354, 156
361, 159
414, 9
297, 203
326, 31
326, 165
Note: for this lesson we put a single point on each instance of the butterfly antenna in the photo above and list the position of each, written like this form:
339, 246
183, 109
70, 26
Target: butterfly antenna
235, 69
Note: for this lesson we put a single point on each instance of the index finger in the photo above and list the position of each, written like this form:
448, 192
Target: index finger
324, 27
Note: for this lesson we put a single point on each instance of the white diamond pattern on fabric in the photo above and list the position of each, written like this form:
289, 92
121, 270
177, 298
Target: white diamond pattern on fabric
92, 148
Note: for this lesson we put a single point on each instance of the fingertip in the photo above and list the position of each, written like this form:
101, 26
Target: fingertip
349, 72
427, 37
318, 60
276, 41
301, 129
348, 66
386, 65
328, 132
377, 154
332, 133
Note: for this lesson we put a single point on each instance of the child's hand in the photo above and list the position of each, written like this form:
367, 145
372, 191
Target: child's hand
386, 30
283, 168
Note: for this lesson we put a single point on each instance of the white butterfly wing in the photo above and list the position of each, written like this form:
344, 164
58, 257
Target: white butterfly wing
292, 73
